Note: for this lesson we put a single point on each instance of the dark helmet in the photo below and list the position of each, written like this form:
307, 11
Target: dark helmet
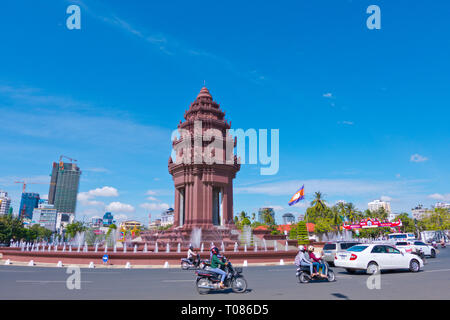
215, 250
191, 247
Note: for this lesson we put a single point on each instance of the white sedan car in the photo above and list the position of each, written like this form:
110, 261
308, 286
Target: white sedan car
415, 246
374, 257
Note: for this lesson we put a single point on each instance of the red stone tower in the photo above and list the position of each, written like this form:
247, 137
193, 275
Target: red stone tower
203, 171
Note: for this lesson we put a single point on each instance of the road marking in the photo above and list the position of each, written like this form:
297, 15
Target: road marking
46, 281
439, 270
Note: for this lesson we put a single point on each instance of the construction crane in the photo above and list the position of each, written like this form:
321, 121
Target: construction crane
25, 184
71, 160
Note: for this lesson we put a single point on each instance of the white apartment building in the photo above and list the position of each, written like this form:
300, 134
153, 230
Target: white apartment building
419, 212
442, 205
377, 204
5, 203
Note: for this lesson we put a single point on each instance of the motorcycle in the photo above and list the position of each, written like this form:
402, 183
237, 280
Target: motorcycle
443, 245
208, 280
187, 264
304, 274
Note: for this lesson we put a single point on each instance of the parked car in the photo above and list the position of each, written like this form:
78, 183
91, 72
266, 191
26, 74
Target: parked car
374, 257
330, 249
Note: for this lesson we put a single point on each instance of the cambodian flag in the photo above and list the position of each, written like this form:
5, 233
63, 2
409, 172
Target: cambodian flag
299, 195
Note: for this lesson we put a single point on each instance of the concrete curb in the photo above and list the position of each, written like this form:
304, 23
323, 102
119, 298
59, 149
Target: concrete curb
102, 266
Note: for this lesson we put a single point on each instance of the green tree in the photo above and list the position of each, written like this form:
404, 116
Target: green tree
408, 224
302, 233
267, 217
73, 228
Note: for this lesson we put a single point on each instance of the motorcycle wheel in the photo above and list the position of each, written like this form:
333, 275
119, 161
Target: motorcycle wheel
433, 253
184, 265
239, 285
203, 282
331, 276
303, 278
202, 265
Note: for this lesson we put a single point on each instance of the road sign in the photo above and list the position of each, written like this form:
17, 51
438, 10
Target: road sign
105, 258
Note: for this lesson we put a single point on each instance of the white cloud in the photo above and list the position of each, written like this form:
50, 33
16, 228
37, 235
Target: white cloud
155, 206
328, 95
118, 207
440, 197
385, 198
418, 158
152, 199
150, 193
86, 198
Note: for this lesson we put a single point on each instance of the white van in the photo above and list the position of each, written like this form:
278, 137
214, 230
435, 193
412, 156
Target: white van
401, 236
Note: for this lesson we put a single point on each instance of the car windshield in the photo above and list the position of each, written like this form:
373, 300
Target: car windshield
419, 243
401, 244
347, 245
397, 236
329, 246
357, 248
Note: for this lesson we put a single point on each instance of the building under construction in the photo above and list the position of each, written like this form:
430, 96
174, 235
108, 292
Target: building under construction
65, 180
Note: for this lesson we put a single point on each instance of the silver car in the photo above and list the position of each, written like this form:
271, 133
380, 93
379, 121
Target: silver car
330, 249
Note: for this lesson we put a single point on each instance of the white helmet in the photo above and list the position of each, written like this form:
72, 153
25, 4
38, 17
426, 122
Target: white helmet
301, 248
310, 248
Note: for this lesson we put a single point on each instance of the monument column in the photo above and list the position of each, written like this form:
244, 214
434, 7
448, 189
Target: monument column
176, 221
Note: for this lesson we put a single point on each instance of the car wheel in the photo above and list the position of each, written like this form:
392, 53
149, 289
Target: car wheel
433, 253
414, 266
372, 268
351, 271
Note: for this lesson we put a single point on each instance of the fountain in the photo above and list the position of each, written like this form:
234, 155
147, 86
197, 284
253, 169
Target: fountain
85, 248
135, 248
106, 247
256, 247
235, 247
202, 247
222, 247
64, 247
115, 248
79, 248
265, 244
96, 247
156, 247
275, 248
167, 247
124, 247
70, 248
179, 247
145, 247
245, 247
286, 246
196, 237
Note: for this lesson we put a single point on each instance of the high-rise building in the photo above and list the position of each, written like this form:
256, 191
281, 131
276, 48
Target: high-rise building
378, 204
28, 203
5, 203
45, 215
64, 183
442, 205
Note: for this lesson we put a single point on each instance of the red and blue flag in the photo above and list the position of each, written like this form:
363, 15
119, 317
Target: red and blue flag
299, 195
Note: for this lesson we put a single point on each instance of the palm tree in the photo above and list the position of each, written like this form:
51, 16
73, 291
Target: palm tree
318, 203
350, 211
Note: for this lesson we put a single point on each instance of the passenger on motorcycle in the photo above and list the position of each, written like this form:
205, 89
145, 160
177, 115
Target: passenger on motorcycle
215, 263
317, 262
302, 260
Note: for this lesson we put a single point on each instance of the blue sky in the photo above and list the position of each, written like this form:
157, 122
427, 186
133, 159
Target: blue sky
362, 114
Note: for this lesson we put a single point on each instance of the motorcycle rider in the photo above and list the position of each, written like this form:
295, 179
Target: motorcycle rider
191, 256
215, 265
317, 262
302, 260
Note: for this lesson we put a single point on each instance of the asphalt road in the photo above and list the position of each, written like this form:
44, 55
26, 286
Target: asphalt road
270, 282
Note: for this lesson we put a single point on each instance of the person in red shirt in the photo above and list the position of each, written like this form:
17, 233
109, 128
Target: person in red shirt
317, 262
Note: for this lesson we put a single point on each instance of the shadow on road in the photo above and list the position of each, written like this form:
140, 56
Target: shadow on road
340, 295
